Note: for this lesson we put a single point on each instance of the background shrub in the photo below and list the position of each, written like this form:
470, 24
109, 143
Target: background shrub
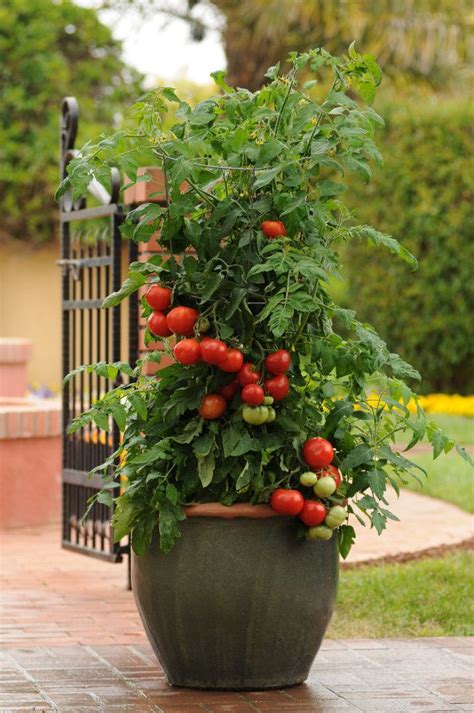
422, 197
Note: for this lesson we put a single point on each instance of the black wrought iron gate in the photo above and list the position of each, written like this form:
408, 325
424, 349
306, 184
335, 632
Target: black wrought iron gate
91, 257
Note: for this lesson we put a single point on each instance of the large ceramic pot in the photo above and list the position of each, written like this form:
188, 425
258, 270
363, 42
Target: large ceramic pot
240, 602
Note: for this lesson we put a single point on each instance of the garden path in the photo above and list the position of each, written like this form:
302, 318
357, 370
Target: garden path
425, 523
54, 597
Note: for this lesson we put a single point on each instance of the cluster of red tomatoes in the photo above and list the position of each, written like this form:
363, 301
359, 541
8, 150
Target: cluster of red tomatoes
181, 321
257, 399
324, 479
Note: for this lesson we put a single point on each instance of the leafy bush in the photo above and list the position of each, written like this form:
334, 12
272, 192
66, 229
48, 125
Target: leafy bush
423, 195
50, 50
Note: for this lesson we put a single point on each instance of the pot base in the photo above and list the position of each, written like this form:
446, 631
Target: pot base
237, 687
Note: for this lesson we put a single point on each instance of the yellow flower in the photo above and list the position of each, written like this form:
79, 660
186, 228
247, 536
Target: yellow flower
452, 404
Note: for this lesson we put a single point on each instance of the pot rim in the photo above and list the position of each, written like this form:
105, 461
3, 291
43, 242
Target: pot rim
229, 512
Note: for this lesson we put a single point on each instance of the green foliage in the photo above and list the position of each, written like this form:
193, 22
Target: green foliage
426, 598
50, 50
245, 157
424, 194
422, 40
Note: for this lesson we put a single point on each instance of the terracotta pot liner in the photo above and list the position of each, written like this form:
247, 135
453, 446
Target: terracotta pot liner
228, 512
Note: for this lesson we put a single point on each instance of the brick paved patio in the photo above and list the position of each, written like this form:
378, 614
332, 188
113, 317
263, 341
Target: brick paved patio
383, 676
73, 641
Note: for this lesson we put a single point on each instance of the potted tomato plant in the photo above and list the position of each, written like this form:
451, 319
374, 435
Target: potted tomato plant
246, 461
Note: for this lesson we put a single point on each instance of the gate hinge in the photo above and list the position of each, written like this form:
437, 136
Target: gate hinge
73, 265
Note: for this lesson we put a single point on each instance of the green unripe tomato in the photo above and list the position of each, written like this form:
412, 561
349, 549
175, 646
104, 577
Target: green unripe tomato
335, 516
203, 325
268, 400
255, 415
272, 414
325, 486
308, 479
321, 532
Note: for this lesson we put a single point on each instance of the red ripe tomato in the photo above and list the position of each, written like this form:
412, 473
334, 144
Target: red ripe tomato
181, 320
317, 452
232, 361
229, 390
157, 323
273, 229
333, 472
278, 362
252, 394
158, 297
213, 351
187, 351
248, 375
313, 513
277, 386
212, 406
287, 502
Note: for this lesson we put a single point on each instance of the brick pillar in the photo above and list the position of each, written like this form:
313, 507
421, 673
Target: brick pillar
134, 196
14, 357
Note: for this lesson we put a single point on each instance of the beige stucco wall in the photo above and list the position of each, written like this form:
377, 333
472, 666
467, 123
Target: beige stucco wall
30, 306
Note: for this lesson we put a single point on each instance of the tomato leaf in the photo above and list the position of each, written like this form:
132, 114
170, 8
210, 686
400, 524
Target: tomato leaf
346, 534
206, 467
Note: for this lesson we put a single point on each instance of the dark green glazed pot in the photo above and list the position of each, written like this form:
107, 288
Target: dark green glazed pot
238, 603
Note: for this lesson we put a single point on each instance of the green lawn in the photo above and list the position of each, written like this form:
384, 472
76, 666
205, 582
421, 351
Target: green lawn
430, 597
449, 478
460, 428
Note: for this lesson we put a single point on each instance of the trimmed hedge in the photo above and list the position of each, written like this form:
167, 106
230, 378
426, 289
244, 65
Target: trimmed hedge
423, 197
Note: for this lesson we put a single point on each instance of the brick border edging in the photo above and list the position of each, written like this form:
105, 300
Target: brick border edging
402, 557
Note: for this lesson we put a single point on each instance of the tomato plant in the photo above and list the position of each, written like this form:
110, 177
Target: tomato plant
287, 502
313, 513
278, 362
181, 320
157, 323
256, 416
159, 298
332, 471
212, 406
187, 351
228, 391
213, 351
318, 452
232, 361
278, 387
251, 234
248, 375
252, 394
273, 229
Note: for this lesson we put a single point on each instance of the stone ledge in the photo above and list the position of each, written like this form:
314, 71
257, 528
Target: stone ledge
15, 350
29, 418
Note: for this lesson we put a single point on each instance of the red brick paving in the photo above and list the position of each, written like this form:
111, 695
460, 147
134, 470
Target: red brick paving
73, 642
54, 597
383, 676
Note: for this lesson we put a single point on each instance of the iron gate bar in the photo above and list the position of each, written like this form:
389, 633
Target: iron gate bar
91, 269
